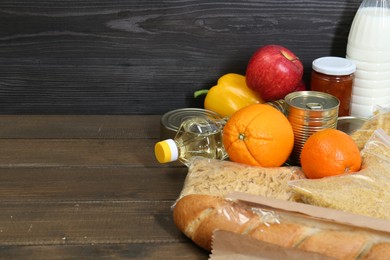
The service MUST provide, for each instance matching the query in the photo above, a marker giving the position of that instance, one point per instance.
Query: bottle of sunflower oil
(196, 136)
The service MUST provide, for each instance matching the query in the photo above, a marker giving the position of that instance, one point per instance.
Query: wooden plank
(79, 126)
(148, 57)
(87, 187)
(87, 222)
(85, 184)
(107, 251)
(77, 152)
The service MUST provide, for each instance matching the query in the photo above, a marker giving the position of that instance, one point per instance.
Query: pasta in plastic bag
(219, 178)
(381, 120)
(366, 192)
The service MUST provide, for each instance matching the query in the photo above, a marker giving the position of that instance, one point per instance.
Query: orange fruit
(260, 135)
(329, 152)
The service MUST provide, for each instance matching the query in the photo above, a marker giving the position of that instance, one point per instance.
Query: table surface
(87, 187)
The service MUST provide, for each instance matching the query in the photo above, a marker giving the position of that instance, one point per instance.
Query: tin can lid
(171, 121)
(335, 66)
(312, 100)
(349, 124)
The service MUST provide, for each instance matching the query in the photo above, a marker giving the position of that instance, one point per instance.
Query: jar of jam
(334, 75)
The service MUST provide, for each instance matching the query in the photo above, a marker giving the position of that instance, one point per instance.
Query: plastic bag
(198, 216)
(219, 178)
(381, 120)
(366, 192)
(376, 152)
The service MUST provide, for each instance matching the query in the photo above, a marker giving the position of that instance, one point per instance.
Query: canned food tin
(349, 124)
(279, 105)
(309, 112)
(171, 121)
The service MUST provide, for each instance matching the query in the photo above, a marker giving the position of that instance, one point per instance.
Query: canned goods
(171, 121)
(349, 124)
(279, 105)
(309, 112)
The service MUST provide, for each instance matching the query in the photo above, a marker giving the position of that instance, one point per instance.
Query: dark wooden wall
(148, 56)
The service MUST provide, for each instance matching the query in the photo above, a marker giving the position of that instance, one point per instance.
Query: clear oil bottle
(196, 136)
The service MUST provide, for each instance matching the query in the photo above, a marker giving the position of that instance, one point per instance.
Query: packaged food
(308, 113)
(219, 178)
(381, 119)
(196, 136)
(334, 75)
(199, 216)
(368, 48)
(365, 192)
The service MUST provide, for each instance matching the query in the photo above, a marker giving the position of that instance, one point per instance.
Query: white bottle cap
(166, 151)
(334, 66)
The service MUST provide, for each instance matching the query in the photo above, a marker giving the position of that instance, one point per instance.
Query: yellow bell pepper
(229, 95)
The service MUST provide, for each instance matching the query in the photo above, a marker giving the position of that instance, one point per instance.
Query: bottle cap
(166, 151)
(334, 66)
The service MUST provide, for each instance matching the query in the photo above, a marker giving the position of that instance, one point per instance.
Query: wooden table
(87, 187)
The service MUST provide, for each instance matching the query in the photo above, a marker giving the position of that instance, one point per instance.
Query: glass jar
(334, 75)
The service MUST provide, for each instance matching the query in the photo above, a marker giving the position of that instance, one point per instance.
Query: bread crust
(198, 216)
(337, 244)
(190, 211)
(378, 251)
(282, 234)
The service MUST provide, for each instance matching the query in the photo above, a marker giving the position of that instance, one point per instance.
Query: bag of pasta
(219, 178)
(380, 120)
(365, 192)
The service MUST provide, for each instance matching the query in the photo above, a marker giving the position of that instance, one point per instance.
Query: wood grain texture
(73, 153)
(106, 251)
(87, 184)
(148, 57)
(86, 222)
(79, 127)
(87, 187)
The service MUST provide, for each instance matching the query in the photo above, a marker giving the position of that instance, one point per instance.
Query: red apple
(301, 86)
(273, 71)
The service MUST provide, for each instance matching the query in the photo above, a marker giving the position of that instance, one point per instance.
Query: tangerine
(258, 135)
(329, 152)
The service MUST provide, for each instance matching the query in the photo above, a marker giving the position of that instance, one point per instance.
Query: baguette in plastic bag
(366, 192)
(198, 216)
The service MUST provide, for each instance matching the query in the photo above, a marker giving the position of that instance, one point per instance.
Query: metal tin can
(309, 112)
(171, 121)
(349, 124)
(280, 105)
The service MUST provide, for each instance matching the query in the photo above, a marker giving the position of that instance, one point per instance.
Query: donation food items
(348, 173)
(365, 192)
(380, 120)
(258, 134)
(201, 208)
(274, 71)
(329, 152)
(229, 95)
(219, 178)
(198, 216)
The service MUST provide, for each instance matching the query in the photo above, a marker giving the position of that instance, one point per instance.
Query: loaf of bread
(198, 216)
